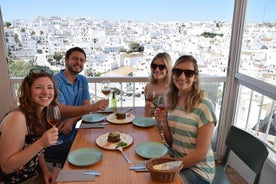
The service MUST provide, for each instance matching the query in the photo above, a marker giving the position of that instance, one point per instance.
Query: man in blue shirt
(74, 101)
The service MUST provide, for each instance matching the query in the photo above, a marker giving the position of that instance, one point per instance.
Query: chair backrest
(248, 148)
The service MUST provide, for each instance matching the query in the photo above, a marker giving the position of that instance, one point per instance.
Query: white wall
(6, 92)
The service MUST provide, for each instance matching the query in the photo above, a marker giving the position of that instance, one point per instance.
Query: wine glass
(106, 89)
(150, 96)
(53, 118)
(162, 103)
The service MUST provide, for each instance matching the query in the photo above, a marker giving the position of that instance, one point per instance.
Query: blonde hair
(196, 94)
(166, 58)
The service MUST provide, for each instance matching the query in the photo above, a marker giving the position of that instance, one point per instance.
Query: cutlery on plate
(120, 148)
(92, 173)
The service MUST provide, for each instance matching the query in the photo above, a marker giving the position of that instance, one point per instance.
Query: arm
(73, 111)
(203, 142)
(162, 119)
(12, 154)
(49, 175)
(67, 125)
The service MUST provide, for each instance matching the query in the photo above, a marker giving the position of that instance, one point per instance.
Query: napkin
(168, 165)
(74, 175)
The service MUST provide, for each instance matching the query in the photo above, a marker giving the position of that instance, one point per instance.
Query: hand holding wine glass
(149, 106)
(162, 104)
(53, 118)
(162, 108)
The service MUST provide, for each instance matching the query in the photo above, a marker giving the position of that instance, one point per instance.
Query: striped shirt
(184, 127)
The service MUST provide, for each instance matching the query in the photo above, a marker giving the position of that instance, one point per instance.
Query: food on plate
(121, 144)
(120, 115)
(113, 137)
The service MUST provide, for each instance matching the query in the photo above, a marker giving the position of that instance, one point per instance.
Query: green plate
(93, 117)
(151, 150)
(85, 156)
(144, 122)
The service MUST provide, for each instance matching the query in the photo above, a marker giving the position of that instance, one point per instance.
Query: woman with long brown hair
(25, 132)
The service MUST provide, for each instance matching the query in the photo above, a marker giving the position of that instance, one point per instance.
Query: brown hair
(196, 94)
(36, 121)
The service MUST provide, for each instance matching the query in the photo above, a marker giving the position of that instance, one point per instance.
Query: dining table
(113, 167)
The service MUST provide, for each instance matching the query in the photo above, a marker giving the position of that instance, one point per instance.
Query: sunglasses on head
(36, 71)
(154, 66)
(178, 72)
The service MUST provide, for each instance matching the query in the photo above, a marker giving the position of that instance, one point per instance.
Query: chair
(248, 148)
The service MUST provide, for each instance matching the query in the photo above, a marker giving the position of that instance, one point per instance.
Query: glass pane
(258, 54)
(40, 33)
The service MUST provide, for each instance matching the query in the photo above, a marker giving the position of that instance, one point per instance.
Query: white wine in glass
(53, 118)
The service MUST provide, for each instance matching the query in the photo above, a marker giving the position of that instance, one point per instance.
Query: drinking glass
(53, 118)
(162, 103)
(150, 97)
(106, 89)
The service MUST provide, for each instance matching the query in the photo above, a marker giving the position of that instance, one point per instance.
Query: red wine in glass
(162, 107)
(106, 92)
(106, 88)
(162, 102)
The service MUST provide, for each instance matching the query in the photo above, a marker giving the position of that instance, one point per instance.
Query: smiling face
(42, 91)
(182, 82)
(158, 73)
(75, 62)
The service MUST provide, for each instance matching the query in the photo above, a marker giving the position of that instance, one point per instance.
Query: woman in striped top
(189, 122)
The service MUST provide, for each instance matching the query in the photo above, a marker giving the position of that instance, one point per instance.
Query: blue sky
(143, 10)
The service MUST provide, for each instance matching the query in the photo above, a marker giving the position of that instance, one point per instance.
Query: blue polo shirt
(71, 94)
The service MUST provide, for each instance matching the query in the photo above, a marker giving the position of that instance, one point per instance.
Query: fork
(120, 148)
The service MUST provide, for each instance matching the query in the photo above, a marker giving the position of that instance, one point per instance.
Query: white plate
(112, 118)
(101, 141)
(93, 117)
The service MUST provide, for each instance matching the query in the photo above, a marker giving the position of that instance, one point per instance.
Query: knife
(92, 173)
(127, 110)
(137, 167)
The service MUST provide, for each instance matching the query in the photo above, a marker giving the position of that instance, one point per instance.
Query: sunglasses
(188, 73)
(154, 66)
(36, 71)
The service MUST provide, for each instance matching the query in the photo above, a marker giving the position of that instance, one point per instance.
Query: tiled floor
(234, 177)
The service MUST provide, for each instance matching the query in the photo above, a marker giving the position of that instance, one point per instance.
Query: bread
(113, 137)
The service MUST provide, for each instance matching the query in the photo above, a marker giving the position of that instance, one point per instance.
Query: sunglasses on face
(178, 72)
(36, 71)
(154, 66)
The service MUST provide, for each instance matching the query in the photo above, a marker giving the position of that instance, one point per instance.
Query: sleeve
(86, 95)
(208, 114)
(60, 86)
